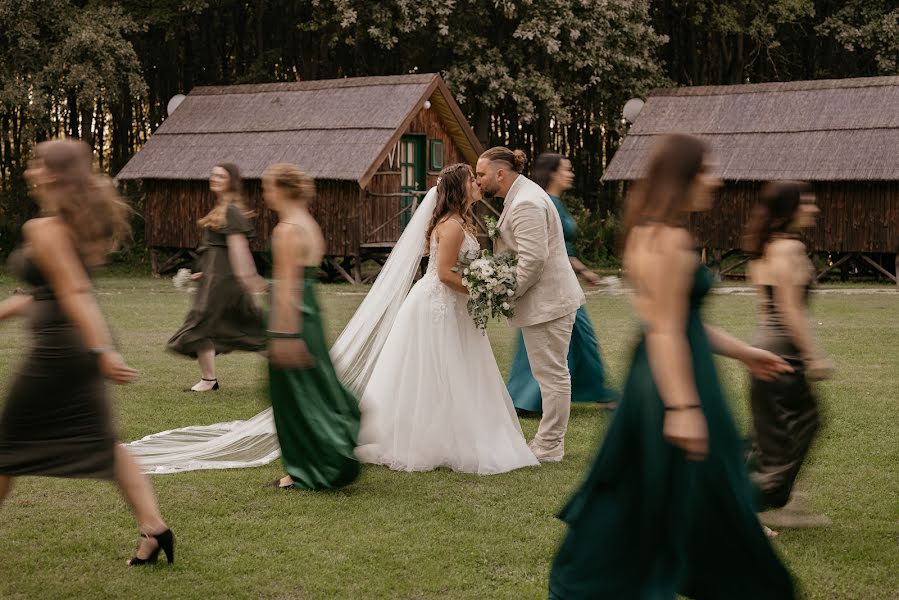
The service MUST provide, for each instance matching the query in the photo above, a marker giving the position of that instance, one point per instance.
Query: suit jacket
(530, 226)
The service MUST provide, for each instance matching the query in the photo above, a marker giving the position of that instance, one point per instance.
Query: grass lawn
(427, 535)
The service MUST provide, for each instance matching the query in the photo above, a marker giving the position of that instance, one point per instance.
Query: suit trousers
(547, 347)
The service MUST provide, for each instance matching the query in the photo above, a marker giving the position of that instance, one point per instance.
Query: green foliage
(868, 27)
(597, 232)
(533, 74)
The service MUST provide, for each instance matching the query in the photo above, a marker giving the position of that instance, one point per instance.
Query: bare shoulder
(450, 229)
(285, 235)
(785, 248)
(45, 230)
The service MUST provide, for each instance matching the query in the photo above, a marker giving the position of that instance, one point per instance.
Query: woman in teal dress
(667, 507)
(316, 417)
(553, 173)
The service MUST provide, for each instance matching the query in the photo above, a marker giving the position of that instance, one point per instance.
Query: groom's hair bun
(517, 159)
(520, 160)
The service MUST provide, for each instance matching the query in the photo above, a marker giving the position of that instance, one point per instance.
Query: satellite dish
(174, 103)
(631, 109)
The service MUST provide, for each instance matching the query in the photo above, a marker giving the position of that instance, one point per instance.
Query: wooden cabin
(841, 136)
(374, 145)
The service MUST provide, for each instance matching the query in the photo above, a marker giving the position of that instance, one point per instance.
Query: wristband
(285, 335)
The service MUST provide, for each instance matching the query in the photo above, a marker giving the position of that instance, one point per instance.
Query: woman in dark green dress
(56, 419)
(223, 317)
(667, 506)
(553, 173)
(316, 417)
(785, 411)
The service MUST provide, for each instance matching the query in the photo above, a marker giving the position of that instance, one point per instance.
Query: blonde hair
(85, 200)
(295, 184)
(218, 216)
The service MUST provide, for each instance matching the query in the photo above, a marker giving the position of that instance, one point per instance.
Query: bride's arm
(450, 236)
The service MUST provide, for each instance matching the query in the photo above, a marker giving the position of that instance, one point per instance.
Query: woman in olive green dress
(316, 417)
(785, 411)
(667, 506)
(224, 317)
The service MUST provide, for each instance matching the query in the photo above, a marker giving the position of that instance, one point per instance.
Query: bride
(436, 397)
(460, 414)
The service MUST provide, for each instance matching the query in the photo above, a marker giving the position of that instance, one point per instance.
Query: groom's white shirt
(531, 227)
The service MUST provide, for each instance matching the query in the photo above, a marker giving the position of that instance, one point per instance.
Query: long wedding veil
(250, 443)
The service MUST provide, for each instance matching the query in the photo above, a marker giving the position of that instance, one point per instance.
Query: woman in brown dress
(785, 411)
(56, 419)
(223, 317)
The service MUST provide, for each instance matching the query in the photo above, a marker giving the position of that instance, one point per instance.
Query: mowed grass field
(427, 535)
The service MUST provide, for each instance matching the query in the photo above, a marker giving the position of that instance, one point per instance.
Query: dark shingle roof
(830, 130)
(332, 129)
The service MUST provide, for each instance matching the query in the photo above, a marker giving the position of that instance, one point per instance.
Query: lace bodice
(467, 253)
(441, 297)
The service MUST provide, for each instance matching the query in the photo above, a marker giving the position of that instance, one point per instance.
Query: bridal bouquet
(183, 281)
(491, 283)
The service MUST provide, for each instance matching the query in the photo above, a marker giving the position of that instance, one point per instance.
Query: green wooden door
(412, 171)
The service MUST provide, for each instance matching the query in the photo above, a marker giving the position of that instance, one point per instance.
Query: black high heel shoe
(165, 541)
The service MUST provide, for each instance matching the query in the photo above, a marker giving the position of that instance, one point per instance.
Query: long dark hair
(773, 213)
(662, 195)
(85, 200)
(451, 195)
(545, 167)
(215, 218)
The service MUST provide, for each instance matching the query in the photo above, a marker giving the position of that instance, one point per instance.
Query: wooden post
(897, 270)
(357, 269)
(716, 264)
(154, 262)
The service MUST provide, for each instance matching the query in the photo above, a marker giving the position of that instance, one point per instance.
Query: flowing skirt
(436, 397)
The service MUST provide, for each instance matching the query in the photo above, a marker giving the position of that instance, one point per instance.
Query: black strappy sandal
(165, 541)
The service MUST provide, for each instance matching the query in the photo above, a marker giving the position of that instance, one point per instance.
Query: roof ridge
(768, 131)
(231, 131)
(779, 86)
(313, 84)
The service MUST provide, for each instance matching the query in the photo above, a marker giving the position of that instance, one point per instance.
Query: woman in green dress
(553, 173)
(316, 417)
(223, 317)
(667, 507)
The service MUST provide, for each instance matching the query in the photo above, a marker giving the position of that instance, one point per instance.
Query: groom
(548, 293)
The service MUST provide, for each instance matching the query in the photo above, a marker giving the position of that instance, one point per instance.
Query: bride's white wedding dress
(436, 397)
(477, 432)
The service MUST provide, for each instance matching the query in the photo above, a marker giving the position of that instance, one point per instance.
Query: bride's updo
(452, 195)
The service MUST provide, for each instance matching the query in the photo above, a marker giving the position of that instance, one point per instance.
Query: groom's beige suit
(546, 300)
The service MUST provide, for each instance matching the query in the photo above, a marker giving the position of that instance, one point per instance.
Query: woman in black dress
(56, 419)
(785, 412)
(223, 317)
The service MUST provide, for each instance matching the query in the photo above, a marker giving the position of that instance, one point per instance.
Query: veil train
(253, 442)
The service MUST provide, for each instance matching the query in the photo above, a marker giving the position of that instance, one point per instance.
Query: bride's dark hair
(451, 196)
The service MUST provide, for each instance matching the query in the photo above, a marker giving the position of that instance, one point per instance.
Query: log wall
(855, 217)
